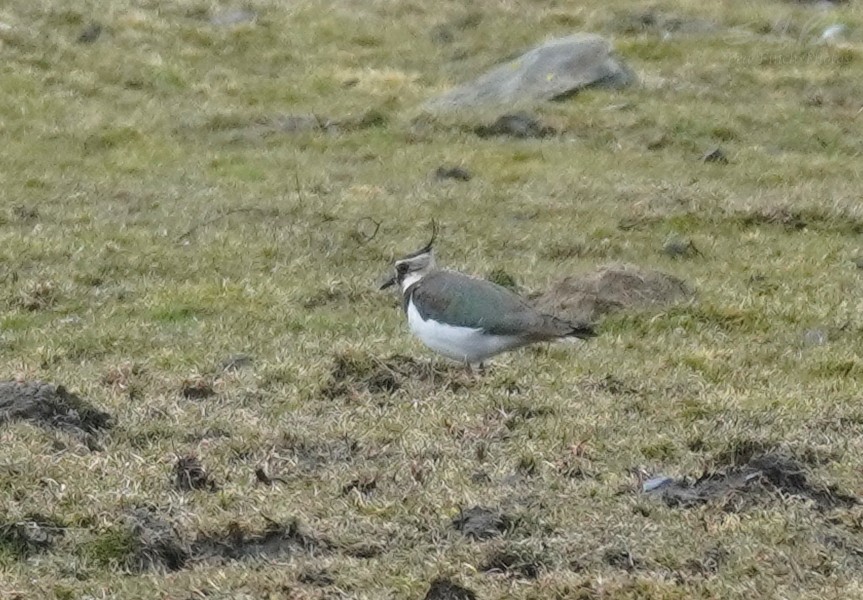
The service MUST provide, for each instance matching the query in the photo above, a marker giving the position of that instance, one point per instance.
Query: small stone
(680, 248)
(235, 362)
(815, 337)
(457, 173)
(715, 155)
(298, 123)
(236, 16)
(518, 125)
(656, 483)
(658, 141)
(441, 34)
(90, 33)
(833, 33)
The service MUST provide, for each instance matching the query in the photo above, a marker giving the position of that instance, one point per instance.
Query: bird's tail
(563, 328)
(582, 331)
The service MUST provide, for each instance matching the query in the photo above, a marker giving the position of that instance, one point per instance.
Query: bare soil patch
(151, 542)
(353, 374)
(189, 474)
(514, 561)
(276, 539)
(307, 455)
(762, 478)
(52, 406)
(446, 589)
(621, 558)
(480, 523)
(33, 534)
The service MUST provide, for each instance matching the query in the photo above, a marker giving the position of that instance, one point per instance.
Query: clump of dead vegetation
(355, 373)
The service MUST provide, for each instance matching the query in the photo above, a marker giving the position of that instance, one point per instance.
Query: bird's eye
(402, 268)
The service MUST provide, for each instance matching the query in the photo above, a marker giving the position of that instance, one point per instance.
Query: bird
(467, 319)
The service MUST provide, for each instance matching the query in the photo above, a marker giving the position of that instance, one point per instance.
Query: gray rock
(552, 71)
(90, 33)
(441, 34)
(235, 362)
(236, 16)
(715, 155)
(677, 247)
(481, 523)
(297, 123)
(657, 22)
(456, 173)
(518, 125)
(815, 337)
(655, 483)
(834, 33)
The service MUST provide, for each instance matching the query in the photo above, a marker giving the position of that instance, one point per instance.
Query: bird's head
(413, 267)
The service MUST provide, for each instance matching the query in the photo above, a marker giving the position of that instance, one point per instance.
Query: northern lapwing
(469, 319)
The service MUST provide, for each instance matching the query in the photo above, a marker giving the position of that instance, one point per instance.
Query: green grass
(155, 219)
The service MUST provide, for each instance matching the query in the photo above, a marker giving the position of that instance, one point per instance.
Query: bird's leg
(475, 370)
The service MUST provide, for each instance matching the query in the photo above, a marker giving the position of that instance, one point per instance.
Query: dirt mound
(317, 577)
(621, 558)
(609, 289)
(154, 543)
(307, 454)
(481, 523)
(739, 487)
(50, 406)
(275, 540)
(151, 542)
(33, 534)
(514, 561)
(189, 474)
(356, 373)
(444, 589)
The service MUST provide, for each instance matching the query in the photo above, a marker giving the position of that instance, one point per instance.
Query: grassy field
(157, 218)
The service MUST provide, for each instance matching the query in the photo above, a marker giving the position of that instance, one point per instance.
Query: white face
(410, 279)
(411, 270)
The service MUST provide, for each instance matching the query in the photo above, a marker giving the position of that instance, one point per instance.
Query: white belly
(463, 344)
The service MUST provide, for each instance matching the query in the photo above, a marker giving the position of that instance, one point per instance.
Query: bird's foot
(475, 369)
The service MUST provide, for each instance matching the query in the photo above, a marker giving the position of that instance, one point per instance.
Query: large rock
(551, 71)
